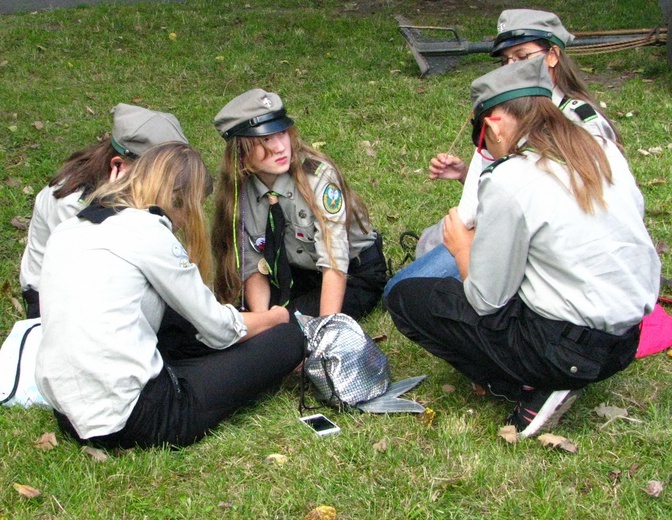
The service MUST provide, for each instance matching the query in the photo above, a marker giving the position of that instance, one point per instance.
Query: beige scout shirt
(304, 240)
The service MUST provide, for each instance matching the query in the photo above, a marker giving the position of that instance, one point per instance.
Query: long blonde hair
(227, 229)
(545, 130)
(172, 176)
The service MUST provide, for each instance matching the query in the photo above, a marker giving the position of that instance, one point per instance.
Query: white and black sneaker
(540, 410)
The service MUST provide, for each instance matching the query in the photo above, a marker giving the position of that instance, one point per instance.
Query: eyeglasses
(481, 138)
(505, 60)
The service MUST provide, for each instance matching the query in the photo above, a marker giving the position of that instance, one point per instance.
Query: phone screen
(320, 423)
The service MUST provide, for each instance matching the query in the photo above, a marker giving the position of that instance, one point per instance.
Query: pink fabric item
(656, 333)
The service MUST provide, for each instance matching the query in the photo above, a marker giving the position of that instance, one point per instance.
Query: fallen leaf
(27, 491)
(603, 104)
(172, 36)
(588, 70)
(380, 338)
(478, 389)
(427, 417)
(381, 445)
(225, 505)
(557, 441)
(321, 513)
(20, 222)
(610, 412)
(90, 110)
(633, 469)
(615, 475)
(39, 125)
(276, 458)
(641, 150)
(42, 48)
(421, 90)
(368, 148)
(28, 190)
(47, 441)
(12, 128)
(4, 63)
(95, 453)
(318, 144)
(654, 488)
(658, 180)
(449, 389)
(12, 182)
(662, 247)
(508, 433)
(16, 304)
(655, 150)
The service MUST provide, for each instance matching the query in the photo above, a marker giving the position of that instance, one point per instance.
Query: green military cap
(520, 79)
(137, 129)
(516, 26)
(253, 114)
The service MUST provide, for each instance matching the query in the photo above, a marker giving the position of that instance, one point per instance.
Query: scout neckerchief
(275, 253)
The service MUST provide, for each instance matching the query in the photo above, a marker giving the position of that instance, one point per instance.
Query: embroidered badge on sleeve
(332, 199)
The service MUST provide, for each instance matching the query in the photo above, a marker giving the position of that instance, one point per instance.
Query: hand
(456, 236)
(445, 166)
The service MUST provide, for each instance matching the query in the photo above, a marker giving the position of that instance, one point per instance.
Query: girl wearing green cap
(522, 34)
(288, 229)
(559, 270)
(100, 365)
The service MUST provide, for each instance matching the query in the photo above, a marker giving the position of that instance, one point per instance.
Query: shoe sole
(555, 406)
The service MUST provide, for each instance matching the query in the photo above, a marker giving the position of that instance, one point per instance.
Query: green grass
(346, 76)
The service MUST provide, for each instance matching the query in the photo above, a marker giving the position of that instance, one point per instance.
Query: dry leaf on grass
(449, 389)
(556, 441)
(368, 148)
(276, 458)
(654, 488)
(27, 491)
(381, 445)
(427, 417)
(610, 412)
(321, 513)
(46, 442)
(508, 433)
(20, 222)
(96, 454)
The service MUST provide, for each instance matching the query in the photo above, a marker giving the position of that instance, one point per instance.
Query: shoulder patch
(332, 199)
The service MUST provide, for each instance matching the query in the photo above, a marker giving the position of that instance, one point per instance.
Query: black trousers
(367, 276)
(508, 349)
(192, 395)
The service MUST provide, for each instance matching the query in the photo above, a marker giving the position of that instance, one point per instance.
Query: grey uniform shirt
(304, 240)
(103, 294)
(599, 270)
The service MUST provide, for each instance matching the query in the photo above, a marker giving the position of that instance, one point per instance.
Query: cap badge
(266, 102)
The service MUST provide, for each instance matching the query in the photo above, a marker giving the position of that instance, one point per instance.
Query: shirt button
(573, 370)
(289, 194)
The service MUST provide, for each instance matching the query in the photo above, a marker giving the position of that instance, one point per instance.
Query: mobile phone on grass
(320, 425)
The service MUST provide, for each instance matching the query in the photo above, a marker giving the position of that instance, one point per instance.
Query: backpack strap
(12, 393)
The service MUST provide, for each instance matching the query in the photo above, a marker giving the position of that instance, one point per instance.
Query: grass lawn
(351, 84)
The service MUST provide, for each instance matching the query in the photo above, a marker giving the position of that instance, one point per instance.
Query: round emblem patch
(332, 198)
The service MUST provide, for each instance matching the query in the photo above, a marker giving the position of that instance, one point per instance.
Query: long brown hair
(86, 169)
(172, 176)
(567, 79)
(227, 229)
(545, 130)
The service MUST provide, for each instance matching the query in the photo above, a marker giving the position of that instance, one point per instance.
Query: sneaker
(541, 410)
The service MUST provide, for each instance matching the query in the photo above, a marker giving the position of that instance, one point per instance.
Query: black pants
(508, 349)
(192, 395)
(367, 276)
(31, 301)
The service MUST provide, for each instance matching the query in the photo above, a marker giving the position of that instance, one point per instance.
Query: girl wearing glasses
(522, 34)
(558, 272)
